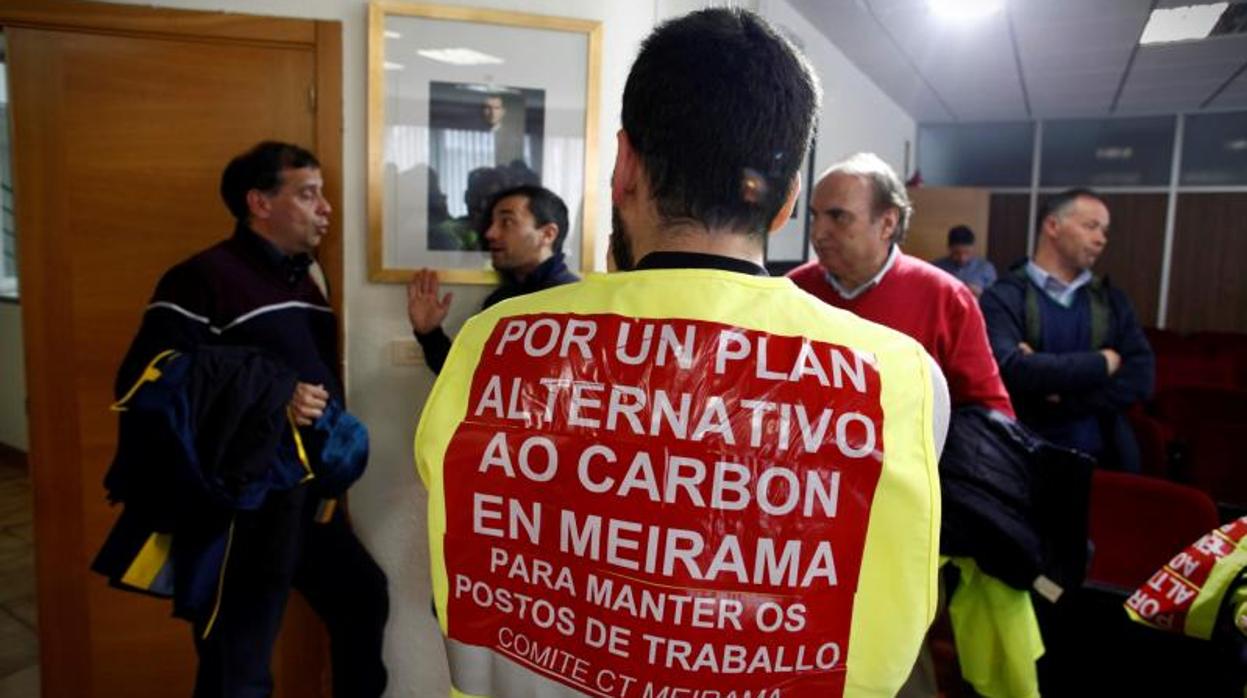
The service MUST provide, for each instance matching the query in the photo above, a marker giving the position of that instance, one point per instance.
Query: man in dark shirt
(254, 290)
(1070, 348)
(524, 235)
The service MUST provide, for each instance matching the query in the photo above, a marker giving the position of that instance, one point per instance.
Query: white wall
(388, 505)
(13, 378)
(856, 115)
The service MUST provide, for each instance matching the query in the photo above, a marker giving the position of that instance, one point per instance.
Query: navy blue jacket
(241, 292)
(204, 435)
(1049, 389)
(1014, 502)
(218, 434)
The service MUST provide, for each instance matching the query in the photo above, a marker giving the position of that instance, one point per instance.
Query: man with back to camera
(861, 213)
(627, 435)
(969, 268)
(524, 234)
(1069, 346)
(254, 290)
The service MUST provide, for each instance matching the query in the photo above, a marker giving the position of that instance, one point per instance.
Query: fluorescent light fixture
(1114, 153)
(964, 10)
(1182, 23)
(391, 65)
(459, 56)
(391, 34)
(1236, 144)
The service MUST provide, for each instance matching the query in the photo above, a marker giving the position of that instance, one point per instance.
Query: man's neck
(1047, 260)
(263, 232)
(699, 239)
(521, 274)
(856, 278)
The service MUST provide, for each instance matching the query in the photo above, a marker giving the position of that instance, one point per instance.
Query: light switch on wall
(406, 352)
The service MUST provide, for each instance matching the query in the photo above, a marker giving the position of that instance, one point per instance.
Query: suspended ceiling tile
(1074, 54)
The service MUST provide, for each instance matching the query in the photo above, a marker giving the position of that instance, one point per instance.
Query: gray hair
(1058, 205)
(889, 190)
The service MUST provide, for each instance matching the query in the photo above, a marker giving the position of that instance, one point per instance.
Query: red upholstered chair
(1165, 342)
(1229, 347)
(1186, 406)
(1211, 359)
(1154, 438)
(1195, 368)
(1138, 523)
(1216, 462)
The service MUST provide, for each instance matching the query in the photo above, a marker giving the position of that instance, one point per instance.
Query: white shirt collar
(1056, 289)
(850, 294)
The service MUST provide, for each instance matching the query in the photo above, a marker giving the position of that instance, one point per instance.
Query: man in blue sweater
(1069, 346)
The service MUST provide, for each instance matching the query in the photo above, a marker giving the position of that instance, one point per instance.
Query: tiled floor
(19, 644)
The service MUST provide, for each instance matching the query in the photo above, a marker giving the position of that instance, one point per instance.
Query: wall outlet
(406, 352)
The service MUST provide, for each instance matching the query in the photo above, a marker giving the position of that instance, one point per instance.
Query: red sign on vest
(662, 508)
(1168, 596)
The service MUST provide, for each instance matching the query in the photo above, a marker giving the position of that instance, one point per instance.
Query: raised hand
(424, 310)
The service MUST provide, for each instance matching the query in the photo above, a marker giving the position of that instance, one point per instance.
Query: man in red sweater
(860, 213)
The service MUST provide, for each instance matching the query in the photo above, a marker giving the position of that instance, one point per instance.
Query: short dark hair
(720, 109)
(1057, 204)
(960, 235)
(545, 205)
(260, 168)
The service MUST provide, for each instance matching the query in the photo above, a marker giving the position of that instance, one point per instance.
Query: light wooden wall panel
(936, 209)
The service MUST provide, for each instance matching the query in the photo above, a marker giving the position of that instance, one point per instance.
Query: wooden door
(123, 119)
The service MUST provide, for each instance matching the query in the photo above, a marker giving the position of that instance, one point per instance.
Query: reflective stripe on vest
(680, 479)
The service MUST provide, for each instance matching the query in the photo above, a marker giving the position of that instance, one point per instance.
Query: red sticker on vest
(654, 508)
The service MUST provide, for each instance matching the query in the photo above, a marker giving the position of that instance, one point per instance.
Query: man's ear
(785, 211)
(627, 168)
(258, 204)
(1049, 227)
(549, 233)
(891, 219)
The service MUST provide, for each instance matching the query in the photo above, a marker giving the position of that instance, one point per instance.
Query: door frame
(61, 575)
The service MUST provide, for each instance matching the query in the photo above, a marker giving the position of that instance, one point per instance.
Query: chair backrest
(1215, 461)
(1210, 359)
(1153, 437)
(1165, 342)
(1201, 370)
(1229, 345)
(1138, 523)
(1185, 407)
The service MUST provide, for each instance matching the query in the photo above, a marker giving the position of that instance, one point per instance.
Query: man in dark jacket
(524, 235)
(254, 290)
(1069, 346)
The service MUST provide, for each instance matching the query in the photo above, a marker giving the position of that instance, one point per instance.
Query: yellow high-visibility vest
(680, 483)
